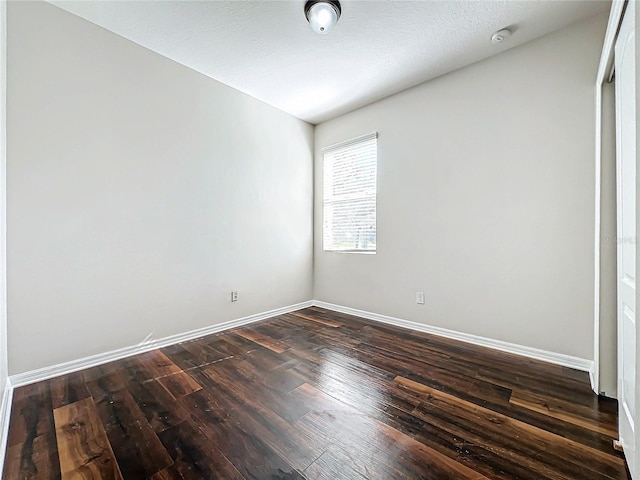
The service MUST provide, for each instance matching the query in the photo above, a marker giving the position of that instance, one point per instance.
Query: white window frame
(362, 148)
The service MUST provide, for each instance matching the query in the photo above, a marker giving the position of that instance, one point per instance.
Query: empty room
(319, 239)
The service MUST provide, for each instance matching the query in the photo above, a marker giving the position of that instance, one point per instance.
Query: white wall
(140, 193)
(636, 414)
(607, 325)
(485, 198)
(3, 143)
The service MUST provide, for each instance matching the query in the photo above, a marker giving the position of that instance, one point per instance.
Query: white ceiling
(267, 49)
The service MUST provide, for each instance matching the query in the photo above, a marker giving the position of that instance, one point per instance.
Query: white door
(626, 178)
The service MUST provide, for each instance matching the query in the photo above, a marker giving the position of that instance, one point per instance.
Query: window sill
(360, 252)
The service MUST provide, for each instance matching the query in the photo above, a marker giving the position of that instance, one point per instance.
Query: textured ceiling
(267, 49)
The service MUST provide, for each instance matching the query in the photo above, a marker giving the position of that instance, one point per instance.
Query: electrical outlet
(420, 298)
(234, 296)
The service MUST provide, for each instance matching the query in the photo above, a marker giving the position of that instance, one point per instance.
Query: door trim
(604, 74)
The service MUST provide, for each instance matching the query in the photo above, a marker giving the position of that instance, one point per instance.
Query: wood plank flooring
(320, 395)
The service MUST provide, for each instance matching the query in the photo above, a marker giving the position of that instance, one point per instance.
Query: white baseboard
(5, 414)
(529, 352)
(592, 378)
(45, 373)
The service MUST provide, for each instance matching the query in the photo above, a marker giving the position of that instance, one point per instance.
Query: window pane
(350, 196)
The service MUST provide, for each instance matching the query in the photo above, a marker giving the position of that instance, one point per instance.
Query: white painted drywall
(376, 49)
(3, 144)
(637, 379)
(485, 198)
(607, 326)
(140, 194)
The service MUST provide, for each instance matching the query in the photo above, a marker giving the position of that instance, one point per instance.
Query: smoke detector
(500, 35)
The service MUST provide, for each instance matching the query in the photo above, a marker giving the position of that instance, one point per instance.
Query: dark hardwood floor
(320, 395)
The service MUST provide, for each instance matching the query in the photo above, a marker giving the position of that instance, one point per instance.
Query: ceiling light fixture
(322, 15)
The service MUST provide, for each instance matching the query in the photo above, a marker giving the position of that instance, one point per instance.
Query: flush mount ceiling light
(322, 14)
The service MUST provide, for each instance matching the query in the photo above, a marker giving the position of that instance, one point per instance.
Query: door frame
(604, 75)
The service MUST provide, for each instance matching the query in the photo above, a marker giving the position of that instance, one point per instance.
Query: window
(349, 204)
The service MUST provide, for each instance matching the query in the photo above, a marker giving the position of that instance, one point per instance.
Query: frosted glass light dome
(322, 15)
